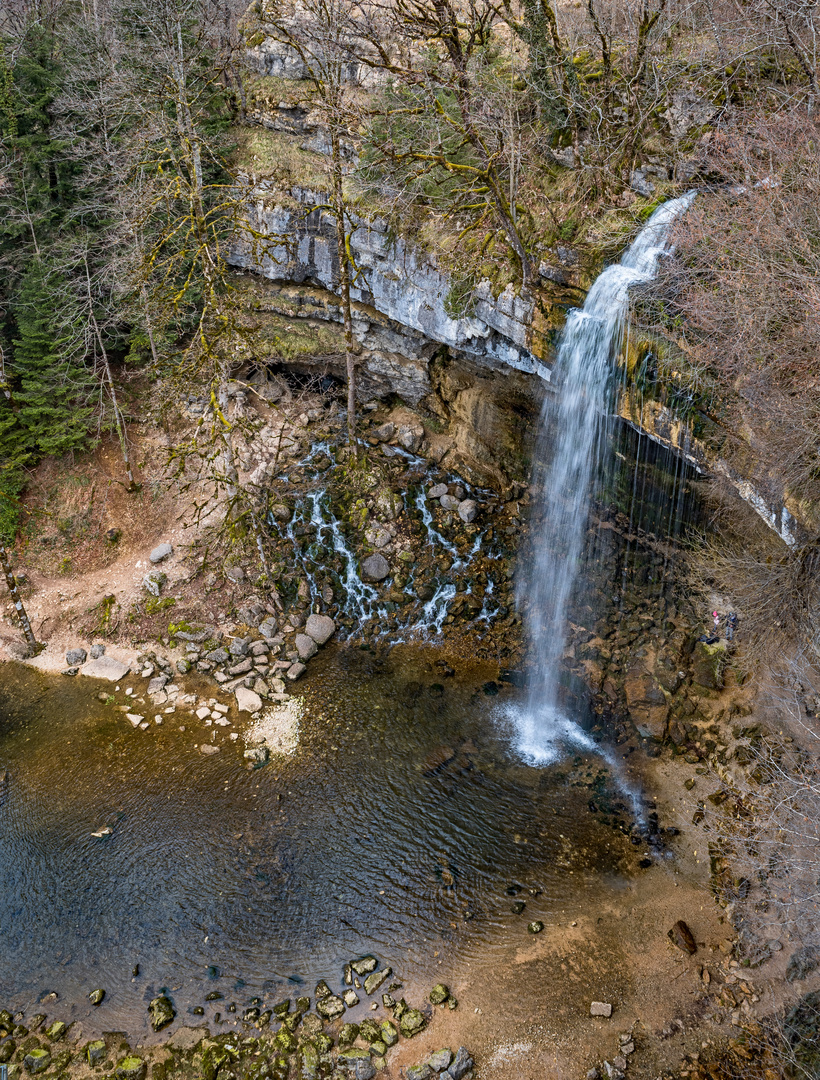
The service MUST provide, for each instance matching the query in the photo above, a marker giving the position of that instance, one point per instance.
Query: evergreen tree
(52, 392)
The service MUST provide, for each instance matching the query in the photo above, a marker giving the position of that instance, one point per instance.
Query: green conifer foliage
(52, 393)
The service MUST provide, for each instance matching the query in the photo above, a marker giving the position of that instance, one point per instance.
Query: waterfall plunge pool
(404, 825)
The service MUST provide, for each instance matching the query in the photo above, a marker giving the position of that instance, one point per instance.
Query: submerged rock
(161, 1011)
(96, 997)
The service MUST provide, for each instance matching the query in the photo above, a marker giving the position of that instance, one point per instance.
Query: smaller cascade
(571, 445)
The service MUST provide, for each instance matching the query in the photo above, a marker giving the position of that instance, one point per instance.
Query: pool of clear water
(404, 825)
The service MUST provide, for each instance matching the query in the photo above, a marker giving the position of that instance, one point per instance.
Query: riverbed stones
(365, 965)
(375, 567)
(440, 1060)
(130, 1068)
(247, 700)
(160, 552)
(97, 651)
(105, 667)
(600, 1008)
(95, 1051)
(351, 998)
(96, 997)
(388, 1033)
(305, 646)
(436, 491)
(161, 1011)
(449, 502)
(208, 749)
(330, 1007)
(412, 1022)
(296, 670)
(320, 627)
(76, 657)
(535, 927)
(7, 1049)
(461, 1064)
(419, 1072)
(385, 432)
(438, 995)
(374, 981)
(37, 1061)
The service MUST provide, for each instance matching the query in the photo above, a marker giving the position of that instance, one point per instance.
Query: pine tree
(52, 392)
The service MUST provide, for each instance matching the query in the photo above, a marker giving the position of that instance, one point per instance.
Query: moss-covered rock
(37, 1060)
(95, 1051)
(162, 1012)
(708, 663)
(411, 1023)
(130, 1068)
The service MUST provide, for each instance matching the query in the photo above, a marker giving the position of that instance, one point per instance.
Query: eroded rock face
(647, 701)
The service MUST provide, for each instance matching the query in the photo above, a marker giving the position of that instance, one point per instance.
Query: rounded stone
(96, 997)
(162, 551)
(375, 567)
(467, 510)
(320, 627)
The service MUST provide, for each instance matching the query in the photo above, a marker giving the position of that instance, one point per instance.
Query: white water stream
(570, 444)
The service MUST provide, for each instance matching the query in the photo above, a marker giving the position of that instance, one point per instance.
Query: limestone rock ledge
(395, 278)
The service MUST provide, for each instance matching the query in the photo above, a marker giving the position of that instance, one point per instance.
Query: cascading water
(571, 442)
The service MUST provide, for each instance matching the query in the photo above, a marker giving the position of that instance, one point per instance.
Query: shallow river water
(404, 825)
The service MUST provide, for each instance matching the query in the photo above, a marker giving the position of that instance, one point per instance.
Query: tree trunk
(31, 640)
(351, 348)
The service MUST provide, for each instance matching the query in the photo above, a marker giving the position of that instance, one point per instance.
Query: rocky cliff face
(400, 282)
(484, 375)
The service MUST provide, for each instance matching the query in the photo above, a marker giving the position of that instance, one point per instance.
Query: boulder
(648, 703)
(374, 981)
(440, 1060)
(708, 662)
(461, 1065)
(106, 667)
(385, 432)
(162, 551)
(419, 1072)
(320, 627)
(75, 657)
(449, 502)
(375, 568)
(411, 1023)
(130, 1068)
(467, 510)
(305, 646)
(388, 1033)
(410, 437)
(37, 1061)
(387, 505)
(95, 1051)
(247, 700)
(365, 965)
(281, 512)
(96, 997)
(295, 671)
(330, 1007)
(436, 491)
(161, 1012)
(155, 582)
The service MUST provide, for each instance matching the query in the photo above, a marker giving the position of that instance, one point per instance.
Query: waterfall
(571, 442)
